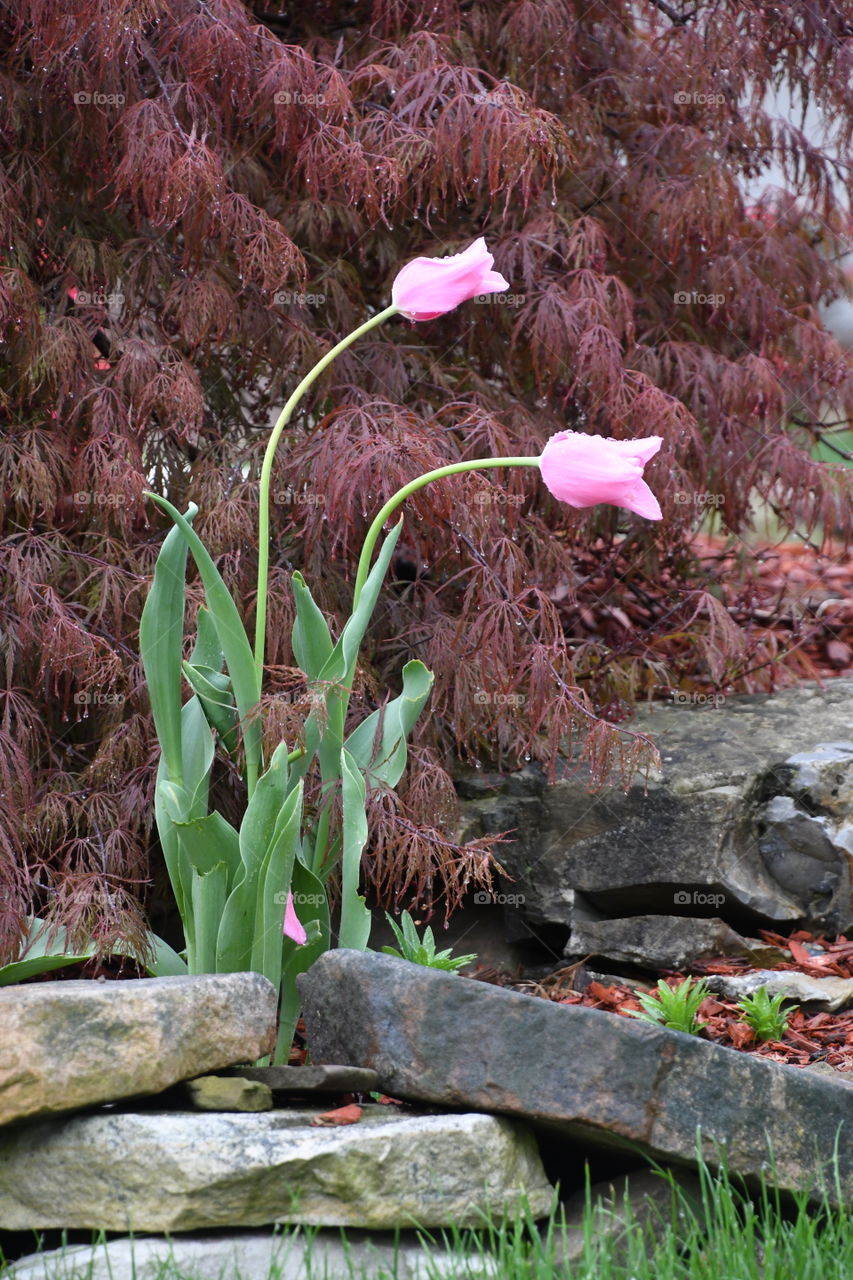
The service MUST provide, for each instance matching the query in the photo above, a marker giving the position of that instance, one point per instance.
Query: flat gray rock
(749, 818)
(224, 1093)
(333, 1078)
(656, 942)
(67, 1045)
(829, 994)
(251, 1255)
(601, 1079)
(168, 1171)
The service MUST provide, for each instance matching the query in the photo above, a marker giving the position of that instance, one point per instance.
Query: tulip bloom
(584, 470)
(292, 928)
(429, 287)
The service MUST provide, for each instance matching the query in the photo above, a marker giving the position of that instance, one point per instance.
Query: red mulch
(819, 1037)
(802, 595)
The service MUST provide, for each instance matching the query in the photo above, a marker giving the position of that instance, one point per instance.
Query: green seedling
(422, 950)
(764, 1015)
(674, 1007)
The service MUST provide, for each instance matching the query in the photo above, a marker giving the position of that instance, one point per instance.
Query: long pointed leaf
(232, 638)
(313, 911)
(170, 797)
(342, 658)
(311, 638)
(197, 747)
(209, 893)
(166, 963)
(45, 948)
(326, 733)
(161, 635)
(213, 690)
(257, 832)
(355, 917)
(207, 651)
(385, 762)
(208, 841)
(273, 883)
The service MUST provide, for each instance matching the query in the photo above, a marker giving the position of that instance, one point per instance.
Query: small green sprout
(422, 951)
(675, 1007)
(764, 1015)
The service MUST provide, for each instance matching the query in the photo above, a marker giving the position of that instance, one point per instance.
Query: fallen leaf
(799, 953)
(341, 1115)
(740, 1034)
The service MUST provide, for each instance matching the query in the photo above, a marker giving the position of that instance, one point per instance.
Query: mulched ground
(811, 1037)
(802, 596)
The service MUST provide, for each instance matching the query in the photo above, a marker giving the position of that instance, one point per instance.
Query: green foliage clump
(422, 950)
(764, 1015)
(674, 1007)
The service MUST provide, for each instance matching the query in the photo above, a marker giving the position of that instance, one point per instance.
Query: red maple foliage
(199, 196)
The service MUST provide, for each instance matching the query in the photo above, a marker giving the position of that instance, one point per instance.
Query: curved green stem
(452, 469)
(266, 476)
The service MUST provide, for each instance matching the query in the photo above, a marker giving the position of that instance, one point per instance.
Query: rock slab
(251, 1255)
(750, 819)
(182, 1171)
(829, 994)
(67, 1045)
(224, 1093)
(656, 942)
(599, 1078)
(331, 1078)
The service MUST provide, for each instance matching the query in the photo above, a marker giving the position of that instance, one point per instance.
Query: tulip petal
(430, 287)
(644, 503)
(292, 927)
(585, 470)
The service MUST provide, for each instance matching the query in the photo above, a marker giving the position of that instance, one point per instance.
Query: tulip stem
(266, 476)
(452, 469)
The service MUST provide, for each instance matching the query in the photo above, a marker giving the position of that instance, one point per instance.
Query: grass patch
(730, 1235)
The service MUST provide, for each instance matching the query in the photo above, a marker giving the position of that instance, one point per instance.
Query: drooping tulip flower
(292, 928)
(429, 287)
(584, 470)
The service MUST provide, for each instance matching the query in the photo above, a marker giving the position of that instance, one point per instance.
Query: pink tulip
(292, 928)
(429, 287)
(583, 470)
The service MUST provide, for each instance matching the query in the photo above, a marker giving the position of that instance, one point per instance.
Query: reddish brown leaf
(340, 1115)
